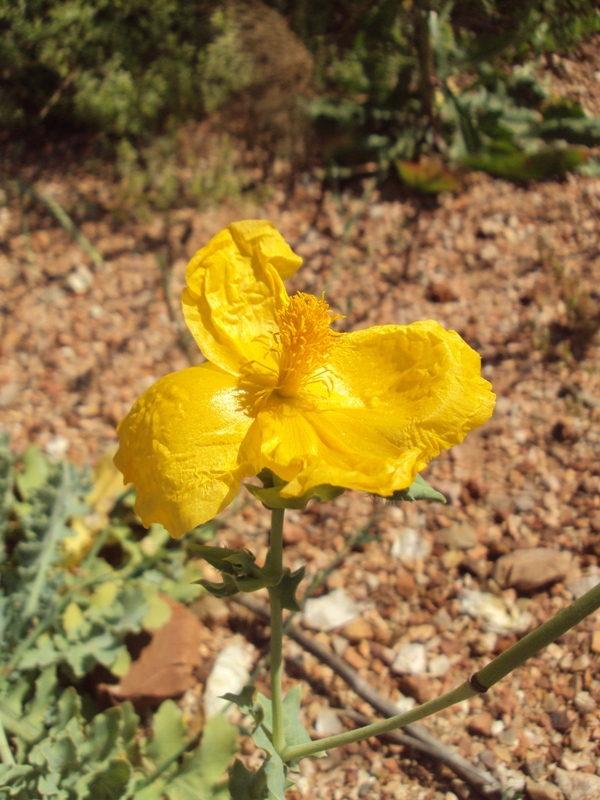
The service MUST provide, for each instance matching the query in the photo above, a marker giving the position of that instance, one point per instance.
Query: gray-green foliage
(58, 624)
(124, 68)
(390, 85)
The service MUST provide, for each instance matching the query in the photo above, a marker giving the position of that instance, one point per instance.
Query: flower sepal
(270, 493)
(418, 490)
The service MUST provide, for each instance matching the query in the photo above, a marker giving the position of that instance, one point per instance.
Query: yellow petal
(180, 447)
(421, 374)
(399, 396)
(309, 447)
(234, 290)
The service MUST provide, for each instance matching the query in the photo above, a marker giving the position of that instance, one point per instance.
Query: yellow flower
(365, 410)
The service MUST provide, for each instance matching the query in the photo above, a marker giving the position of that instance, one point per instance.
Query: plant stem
(457, 695)
(276, 566)
(478, 683)
(538, 639)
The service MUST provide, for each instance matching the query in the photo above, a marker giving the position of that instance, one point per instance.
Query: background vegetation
(381, 82)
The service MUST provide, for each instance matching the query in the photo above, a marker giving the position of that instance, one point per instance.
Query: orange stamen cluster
(296, 354)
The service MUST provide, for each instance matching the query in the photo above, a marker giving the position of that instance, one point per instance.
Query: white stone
(80, 280)
(328, 723)
(439, 665)
(408, 545)
(331, 611)
(411, 659)
(496, 613)
(57, 447)
(230, 673)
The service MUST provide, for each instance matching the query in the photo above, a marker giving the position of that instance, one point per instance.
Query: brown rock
(358, 630)
(480, 724)
(532, 568)
(460, 536)
(544, 790)
(418, 687)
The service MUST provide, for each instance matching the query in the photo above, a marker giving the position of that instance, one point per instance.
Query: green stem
(538, 639)
(276, 567)
(478, 683)
(457, 695)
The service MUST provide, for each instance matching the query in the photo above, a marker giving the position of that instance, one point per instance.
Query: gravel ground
(438, 589)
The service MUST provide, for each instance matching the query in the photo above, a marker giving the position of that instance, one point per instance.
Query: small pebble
(330, 612)
(411, 659)
(408, 545)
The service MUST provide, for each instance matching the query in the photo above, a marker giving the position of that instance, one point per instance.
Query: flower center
(296, 354)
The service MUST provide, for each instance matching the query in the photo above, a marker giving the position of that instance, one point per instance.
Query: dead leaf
(167, 666)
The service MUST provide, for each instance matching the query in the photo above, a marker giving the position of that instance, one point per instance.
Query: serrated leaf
(418, 490)
(42, 655)
(168, 733)
(201, 771)
(271, 497)
(108, 782)
(228, 588)
(42, 701)
(60, 754)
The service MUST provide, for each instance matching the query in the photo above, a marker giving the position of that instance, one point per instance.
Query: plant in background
(311, 412)
(59, 624)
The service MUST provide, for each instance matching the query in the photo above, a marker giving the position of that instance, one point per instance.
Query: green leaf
(545, 163)
(427, 178)
(271, 497)
(275, 772)
(224, 559)
(36, 469)
(201, 771)
(245, 784)
(418, 490)
(572, 130)
(60, 754)
(295, 732)
(108, 782)
(244, 700)
(158, 614)
(168, 733)
(288, 587)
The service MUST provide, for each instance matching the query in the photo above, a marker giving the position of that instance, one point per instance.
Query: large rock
(532, 568)
(578, 785)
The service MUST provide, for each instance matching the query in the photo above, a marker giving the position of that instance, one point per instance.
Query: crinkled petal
(309, 447)
(399, 396)
(234, 289)
(180, 447)
(420, 373)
